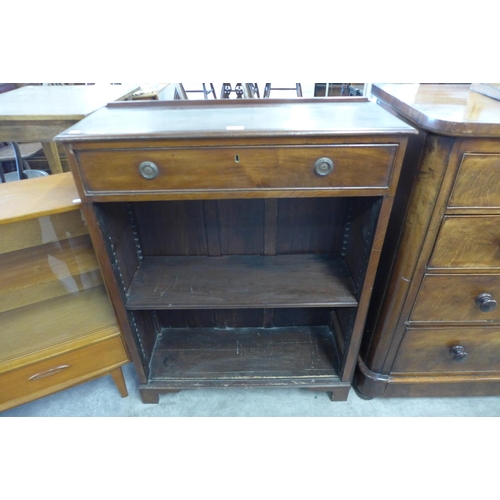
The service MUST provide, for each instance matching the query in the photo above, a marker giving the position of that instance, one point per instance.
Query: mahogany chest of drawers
(239, 239)
(434, 325)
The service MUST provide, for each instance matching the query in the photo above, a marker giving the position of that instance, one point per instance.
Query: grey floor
(100, 398)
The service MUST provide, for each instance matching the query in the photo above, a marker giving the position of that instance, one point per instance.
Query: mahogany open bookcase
(239, 239)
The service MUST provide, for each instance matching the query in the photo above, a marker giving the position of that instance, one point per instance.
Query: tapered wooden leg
(52, 155)
(117, 375)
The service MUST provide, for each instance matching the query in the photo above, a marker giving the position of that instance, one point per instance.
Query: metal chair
(181, 92)
(268, 88)
(19, 153)
(337, 89)
(242, 90)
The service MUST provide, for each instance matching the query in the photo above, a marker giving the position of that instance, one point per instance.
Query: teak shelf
(239, 240)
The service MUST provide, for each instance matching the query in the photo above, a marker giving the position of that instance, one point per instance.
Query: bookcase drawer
(237, 168)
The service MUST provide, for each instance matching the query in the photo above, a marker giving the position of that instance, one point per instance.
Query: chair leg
(344, 89)
(180, 91)
(2, 174)
(225, 91)
(18, 159)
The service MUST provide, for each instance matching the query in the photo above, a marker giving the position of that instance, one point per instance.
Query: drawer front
(477, 182)
(468, 242)
(453, 298)
(58, 372)
(355, 166)
(425, 350)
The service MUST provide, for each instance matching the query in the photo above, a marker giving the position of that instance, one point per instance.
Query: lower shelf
(248, 357)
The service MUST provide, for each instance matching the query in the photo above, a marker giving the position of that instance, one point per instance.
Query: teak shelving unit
(58, 328)
(239, 240)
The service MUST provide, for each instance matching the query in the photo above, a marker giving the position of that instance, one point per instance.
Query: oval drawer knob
(459, 353)
(323, 166)
(148, 170)
(486, 302)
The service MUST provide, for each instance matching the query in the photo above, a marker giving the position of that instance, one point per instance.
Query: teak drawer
(477, 182)
(452, 298)
(61, 371)
(471, 242)
(426, 350)
(227, 168)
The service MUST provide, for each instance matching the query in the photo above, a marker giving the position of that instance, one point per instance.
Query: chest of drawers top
(451, 110)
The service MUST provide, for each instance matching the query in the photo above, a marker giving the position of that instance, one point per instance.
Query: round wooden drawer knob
(323, 166)
(148, 170)
(486, 302)
(459, 353)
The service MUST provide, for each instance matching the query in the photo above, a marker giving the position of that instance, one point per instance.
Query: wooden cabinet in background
(434, 326)
(239, 239)
(58, 328)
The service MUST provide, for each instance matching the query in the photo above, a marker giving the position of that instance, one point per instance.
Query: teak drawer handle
(323, 166)
(459, 353)
(148, 170)
(49, 372)
(486, 302)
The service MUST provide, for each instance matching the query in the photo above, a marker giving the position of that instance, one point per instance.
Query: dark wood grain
(311, 225)
(241, 225)
(477, 182)
(250, 353)
(452, 298)
(243, 168)
(408, 264)
(179, 228)
(241, 281)
(427, 350)
(468, 243)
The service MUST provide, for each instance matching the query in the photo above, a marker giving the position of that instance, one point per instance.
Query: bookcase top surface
(236, 118)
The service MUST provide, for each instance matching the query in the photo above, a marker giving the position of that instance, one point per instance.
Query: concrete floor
(100, 398)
